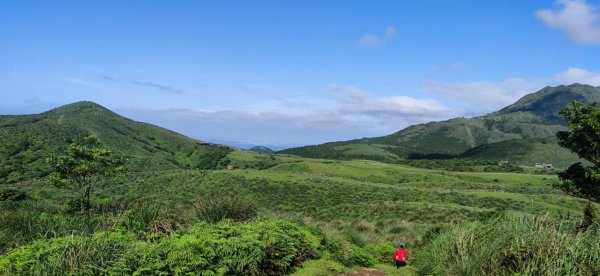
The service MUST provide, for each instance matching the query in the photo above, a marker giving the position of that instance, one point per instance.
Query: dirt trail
(384, 270)
(363, 271)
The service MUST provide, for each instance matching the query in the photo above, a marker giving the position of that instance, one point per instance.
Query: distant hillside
(534, 116)
(261, 149)
(26, 140)
(524, 151)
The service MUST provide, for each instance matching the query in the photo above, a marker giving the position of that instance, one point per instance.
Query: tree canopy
(582, 138)
(86, 162)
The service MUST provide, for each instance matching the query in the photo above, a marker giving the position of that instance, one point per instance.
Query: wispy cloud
(151, 84)
(158, 86)
(376, 41)
(576, 18)
(109, 78)
(369, 41)
(390, 32)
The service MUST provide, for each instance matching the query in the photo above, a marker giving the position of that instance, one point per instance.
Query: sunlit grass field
(371, 206)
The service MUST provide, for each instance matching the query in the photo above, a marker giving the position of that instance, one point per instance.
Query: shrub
(271, 247)
(381, 251)
(362, 258)
(509, 245)
(12, 195)
(235, 208)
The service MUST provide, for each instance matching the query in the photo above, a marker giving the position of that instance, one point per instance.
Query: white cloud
(355, 101)
(483, 96)
(376, 41)
(348, 113)
(579, 75)
(369, 41)
(390, 32)
(577, 18)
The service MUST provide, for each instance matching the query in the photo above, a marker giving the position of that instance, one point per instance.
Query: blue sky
(292, 72)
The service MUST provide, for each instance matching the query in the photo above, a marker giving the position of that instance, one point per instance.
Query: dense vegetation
(278, 214)
(271, 247)
(508, 245)
(261, 149)
(464, 165)
(28, 139)
(583, 138)
(522, 132)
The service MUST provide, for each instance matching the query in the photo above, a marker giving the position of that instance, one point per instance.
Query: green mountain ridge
(261, 149)
(28, 139)
(534, 116)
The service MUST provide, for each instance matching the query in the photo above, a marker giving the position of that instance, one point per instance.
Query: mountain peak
(78, 107)
(549, 100)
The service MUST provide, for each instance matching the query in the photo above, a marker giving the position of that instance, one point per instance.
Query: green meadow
(301, 216)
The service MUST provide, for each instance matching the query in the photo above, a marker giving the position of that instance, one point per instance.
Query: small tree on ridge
(86, 162)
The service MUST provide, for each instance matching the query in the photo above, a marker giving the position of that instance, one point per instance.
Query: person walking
(400, 256)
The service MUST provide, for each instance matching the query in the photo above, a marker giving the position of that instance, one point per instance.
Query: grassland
(367, 207)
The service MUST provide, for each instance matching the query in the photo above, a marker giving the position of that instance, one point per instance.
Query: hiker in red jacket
(400, 256)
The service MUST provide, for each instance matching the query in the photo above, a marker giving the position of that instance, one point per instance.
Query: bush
(235, 208)
(272, 247)
(512, 245)
(12, 195)
(362, 258)
(382, 251)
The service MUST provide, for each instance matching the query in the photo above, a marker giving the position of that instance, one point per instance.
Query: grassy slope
(535, 116)
(370, 205)
(28, 139)
(525, 151)
(365, 202)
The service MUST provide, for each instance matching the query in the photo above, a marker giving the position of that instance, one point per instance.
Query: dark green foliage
(86, 163)
(583, 138)
(261, 248)
(361, 257)
(261, 149)
(382, 252)
(214, 209)
(26, 140)
(526, 152)
(12, 195)
(589, 216)
(581, 181)
(463, 165)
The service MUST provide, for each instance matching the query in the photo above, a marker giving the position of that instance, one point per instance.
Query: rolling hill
(306, 216)
(26, 140)
(492, 136)
(261, 149)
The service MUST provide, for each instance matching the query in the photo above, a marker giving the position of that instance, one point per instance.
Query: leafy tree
(582, 138)
(589, 216)
(86, 162)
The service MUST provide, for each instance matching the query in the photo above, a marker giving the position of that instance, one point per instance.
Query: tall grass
(513, 244)
(271, 247)
(233, 207)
